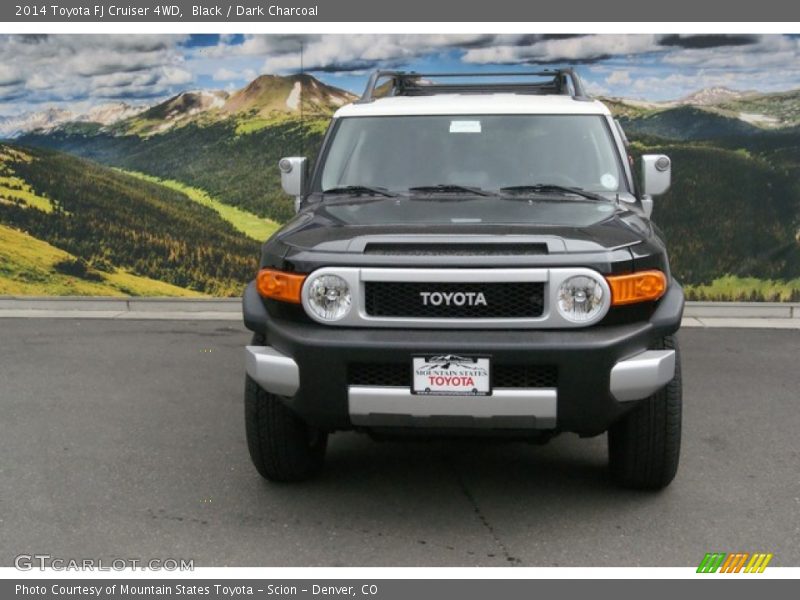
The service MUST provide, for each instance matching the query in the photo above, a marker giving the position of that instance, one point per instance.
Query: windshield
(485, 152)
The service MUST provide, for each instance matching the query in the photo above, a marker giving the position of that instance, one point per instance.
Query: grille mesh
(503, 376)
(524, 376)
(392, 374)
(503, 300)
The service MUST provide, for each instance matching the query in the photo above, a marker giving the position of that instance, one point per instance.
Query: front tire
(644, 446)
(282, 446)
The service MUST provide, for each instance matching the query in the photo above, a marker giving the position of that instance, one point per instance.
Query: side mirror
(293, 176)
(656, 174)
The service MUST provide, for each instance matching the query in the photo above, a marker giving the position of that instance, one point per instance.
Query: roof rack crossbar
(411, 83)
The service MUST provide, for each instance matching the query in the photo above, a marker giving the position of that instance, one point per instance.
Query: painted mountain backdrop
(174, 198)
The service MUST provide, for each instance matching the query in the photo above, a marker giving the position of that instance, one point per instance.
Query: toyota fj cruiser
(471, 255)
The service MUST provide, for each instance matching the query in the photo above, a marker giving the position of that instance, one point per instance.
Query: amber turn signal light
(278, 285)
(637, 287)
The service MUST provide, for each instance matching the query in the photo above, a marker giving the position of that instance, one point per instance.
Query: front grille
(524, 376)
(502, 300)
(380, 374)
(503, 376)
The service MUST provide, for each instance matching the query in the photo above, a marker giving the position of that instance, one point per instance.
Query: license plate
(450, 374)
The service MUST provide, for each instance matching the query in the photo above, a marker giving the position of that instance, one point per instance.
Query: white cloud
(354, 52)
(92, 68)
(596, 89)
(66, 70)
(225, 74)
(173, 76)
(38, 81)
(621, 77)
(572, 49)
(255, 45)
(10, 75)
(769, 51)
(228, 74)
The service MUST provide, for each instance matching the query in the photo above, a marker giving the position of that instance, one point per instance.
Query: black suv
(471, 257)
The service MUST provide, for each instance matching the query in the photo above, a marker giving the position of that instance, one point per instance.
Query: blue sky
(80, 71)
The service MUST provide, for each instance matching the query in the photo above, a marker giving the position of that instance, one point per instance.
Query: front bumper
(602, 372)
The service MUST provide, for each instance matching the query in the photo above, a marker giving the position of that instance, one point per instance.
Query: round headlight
(329, 297)
(581, 299)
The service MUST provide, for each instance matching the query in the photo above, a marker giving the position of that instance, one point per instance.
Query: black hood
(581, 226)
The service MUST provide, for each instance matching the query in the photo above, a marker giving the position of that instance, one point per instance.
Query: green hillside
(238, 169)
(253, 226)
(710, 114)
(31, 267)
(686, 123)
(111, 223)
(622, 108)
(728, 212)
(784, 107)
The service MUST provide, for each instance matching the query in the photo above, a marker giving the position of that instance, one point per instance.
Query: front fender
(253, 309)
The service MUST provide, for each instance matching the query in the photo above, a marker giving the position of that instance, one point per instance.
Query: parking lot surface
(126, 439)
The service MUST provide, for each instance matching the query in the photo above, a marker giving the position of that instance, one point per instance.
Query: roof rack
(411, 83)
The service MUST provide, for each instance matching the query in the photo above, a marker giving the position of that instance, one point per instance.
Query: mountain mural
(53, 118)
(71, 226)
(265, 98)
(224, 143)
(732, 216)
(710, 114)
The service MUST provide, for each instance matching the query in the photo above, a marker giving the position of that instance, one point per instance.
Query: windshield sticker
(465, 126)
(609, 181)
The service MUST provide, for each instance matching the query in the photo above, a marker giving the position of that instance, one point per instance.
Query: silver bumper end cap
(274, 372)
(642, 375)
(504, 408)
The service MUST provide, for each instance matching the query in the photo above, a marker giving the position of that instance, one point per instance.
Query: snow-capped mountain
(181, 108)
(712, 96)
(52, 118)
(11, 127)
(107, 114)
(274, 93)
(265, 96)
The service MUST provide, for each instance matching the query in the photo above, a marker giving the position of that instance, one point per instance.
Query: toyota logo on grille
(453, 298)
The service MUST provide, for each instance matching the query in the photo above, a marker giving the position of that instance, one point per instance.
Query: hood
(568, 225)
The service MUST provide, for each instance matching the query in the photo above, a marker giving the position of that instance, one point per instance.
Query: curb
(110, 304)
(747, 310)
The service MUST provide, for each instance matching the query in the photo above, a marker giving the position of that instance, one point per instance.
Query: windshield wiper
(551, 188)
(453, 188)
(358, 190)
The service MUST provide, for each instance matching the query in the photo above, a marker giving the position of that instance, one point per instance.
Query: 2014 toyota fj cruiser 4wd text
(472, 257)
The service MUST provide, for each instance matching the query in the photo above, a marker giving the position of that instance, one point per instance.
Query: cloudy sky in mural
(79, 71)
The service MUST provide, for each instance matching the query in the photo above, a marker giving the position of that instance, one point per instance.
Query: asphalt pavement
(126, 439)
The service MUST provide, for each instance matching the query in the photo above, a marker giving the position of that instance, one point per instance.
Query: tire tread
(644, 446)
(277, 439)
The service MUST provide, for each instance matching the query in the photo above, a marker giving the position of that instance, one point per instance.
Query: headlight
(329, 297)
(581, 299)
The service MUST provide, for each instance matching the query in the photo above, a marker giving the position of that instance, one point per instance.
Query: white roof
(474, 104)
